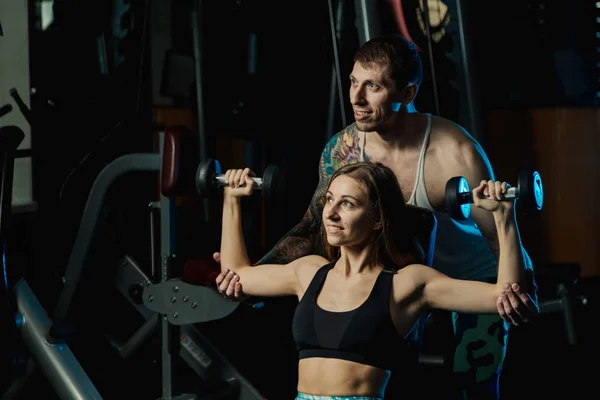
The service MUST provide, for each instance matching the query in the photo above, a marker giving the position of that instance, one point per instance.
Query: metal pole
(569, 318)
(170, 334)
(336, 62)
(129, 347)
(152, 213)
(196, 31)
(58, 363)
(367, 20)
(436, 103)
(120, 166)
(166, 226)
(475, 121)
(196, 25)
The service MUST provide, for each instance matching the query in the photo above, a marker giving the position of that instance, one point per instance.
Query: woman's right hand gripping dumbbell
(239, 182)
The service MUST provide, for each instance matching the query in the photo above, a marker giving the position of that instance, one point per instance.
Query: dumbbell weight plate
(456, 189)
(270, 182)
(205, 175)
(531, 191)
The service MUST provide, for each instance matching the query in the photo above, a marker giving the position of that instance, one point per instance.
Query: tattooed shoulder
(342, 149)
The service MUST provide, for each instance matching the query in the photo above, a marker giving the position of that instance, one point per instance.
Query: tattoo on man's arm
(305, 238)
(300, 241)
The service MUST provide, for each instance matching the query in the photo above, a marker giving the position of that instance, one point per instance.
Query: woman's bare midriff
(333, 377)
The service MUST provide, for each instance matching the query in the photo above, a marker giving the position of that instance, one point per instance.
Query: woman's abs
(333, 377)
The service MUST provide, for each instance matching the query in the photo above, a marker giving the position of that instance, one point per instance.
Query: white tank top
(460, 250)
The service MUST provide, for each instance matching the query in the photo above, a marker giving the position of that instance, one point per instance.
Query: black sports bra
(365, 335)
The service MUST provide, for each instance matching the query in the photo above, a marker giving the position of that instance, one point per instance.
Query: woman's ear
(378, 225)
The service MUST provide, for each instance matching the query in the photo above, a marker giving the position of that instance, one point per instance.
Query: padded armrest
(179, 162)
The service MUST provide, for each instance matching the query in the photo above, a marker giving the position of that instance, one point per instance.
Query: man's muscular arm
(474, 165)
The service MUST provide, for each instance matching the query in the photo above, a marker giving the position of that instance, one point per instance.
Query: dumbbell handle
(467, 197)
(220, 179)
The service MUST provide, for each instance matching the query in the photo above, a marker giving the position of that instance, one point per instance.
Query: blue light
(463, 187)
(4, 259)
(4, 272)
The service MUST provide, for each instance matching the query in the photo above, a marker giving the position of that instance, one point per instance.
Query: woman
(358, 306)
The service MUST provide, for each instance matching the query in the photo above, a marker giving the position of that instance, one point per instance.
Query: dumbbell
(209, 177)
(529, 192)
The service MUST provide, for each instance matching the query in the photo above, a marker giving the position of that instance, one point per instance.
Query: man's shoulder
(456, 148)
(346, 135)
(447, 129)
(343, 148)
(449, 135)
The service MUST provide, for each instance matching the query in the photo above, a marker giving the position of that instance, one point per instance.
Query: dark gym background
(109, 75)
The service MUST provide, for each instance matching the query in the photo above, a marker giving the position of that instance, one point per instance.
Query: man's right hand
(228, 282)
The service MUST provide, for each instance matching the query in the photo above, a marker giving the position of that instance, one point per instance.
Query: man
(424, 151)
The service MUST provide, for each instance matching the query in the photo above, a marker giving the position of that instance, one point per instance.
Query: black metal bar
(10, 138)
(475, 127)
(57, 362)
(5, 109)
(21, 104)
(197, 32)
(122, 165)
(367, 20)
(23, 153)
(431, 61)
(336, 62)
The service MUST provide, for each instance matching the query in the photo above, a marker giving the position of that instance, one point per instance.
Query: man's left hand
(516, 306)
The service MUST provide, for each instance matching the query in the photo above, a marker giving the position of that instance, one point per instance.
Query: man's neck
(406, 133)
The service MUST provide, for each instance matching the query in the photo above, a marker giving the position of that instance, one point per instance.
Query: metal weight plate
(204, 178)
(270, 182)
(531, 190)
(457, 209)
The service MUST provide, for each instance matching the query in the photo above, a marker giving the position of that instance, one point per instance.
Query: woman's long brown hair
(395, 243)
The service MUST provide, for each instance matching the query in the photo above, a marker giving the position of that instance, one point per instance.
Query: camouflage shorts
(480, 352)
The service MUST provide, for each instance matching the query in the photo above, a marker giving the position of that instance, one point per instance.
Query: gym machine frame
(171, 302)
